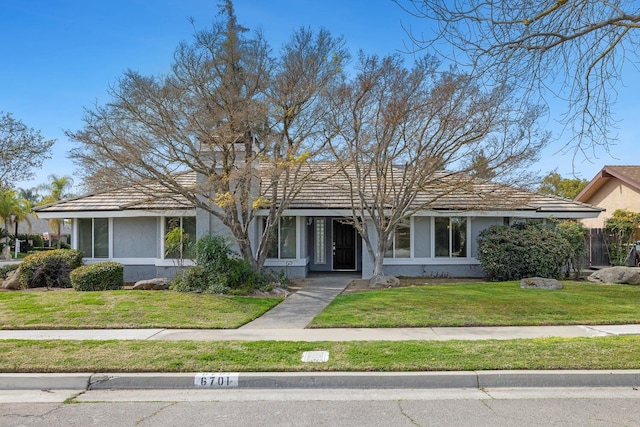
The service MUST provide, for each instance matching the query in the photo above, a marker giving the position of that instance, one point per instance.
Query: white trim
(299, 236)
(290, 262)
(123, 261)
(110, 238)
(432, 243)
(348, 213)
(170, 262)
(355, 248)
(431, 261)
(115, 214)
(515, 214)
(411, 237)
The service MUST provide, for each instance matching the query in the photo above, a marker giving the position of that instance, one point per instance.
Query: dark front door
(344, 246)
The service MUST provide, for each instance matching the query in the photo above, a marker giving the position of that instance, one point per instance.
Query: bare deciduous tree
(573, 50)
(226, 108)
(22, 149)
(405, 138)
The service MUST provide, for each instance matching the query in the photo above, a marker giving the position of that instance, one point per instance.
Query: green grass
(266, 356)
(127, 309)
(483, 304)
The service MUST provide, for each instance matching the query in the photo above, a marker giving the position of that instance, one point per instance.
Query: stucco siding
(135, 237)
(133, 273)
(479, 224)
(614, 194)
(435, 270)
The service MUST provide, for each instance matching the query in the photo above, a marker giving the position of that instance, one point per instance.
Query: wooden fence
(597, 254)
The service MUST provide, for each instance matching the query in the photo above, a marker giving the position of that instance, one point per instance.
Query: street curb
(77, 381)
(324, 380)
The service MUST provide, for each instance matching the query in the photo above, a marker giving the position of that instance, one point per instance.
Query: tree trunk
(378, 270)
(378, 260)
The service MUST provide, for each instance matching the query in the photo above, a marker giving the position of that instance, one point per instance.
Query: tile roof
(627, 174)
(328, 189)
(136, 197)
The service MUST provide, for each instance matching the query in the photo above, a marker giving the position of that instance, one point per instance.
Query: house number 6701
(216, 380)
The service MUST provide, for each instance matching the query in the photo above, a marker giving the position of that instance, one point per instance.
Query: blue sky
(58, 57)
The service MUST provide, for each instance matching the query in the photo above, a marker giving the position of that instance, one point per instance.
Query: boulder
(384, 282)
(623, 275)
(157, 284)
(11, 282)
(540, 283)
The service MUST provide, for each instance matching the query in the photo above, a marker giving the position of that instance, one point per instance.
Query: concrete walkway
(342, 334)
(299, 309)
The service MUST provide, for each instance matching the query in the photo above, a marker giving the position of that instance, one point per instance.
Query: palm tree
(12, 209)
(57, 190)
(30, 195)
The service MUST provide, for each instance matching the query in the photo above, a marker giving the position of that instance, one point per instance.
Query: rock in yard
(540, 283)
(623, 275)
(11, 282)
(157, 284)
(384, 281)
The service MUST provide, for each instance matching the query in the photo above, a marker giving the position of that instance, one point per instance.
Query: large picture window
(93, 237)
(450, 237)
(181, 231)
(401, 243)
(284, 239)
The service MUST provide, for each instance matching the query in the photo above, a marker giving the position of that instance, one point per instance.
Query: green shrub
(512, 253)
(219, 270)
(576, 235)
(50, 269)
(621, 231)
(103, 276)
(28, 241)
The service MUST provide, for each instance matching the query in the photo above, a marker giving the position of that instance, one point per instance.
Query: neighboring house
(614, 187)
(128, 226)
(41, 226)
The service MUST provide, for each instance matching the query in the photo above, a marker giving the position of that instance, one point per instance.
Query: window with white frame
(401, 242)
(450, 237)
(181, 231)
(283, 243)
(320, 240)
(93, 237)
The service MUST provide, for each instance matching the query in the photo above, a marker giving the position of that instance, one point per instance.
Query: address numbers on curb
(216, 380)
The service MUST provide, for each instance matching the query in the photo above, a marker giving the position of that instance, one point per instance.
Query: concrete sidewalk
(311, 335)
(299, 309)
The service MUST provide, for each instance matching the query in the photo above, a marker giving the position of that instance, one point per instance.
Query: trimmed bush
(49, 269)
(512, 253)
(103, 276)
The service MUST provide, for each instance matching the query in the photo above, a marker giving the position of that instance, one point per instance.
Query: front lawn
(65, 309)
(268, 356)
(483, 304)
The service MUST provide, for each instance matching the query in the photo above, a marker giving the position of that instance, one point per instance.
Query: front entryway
(344, 246)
